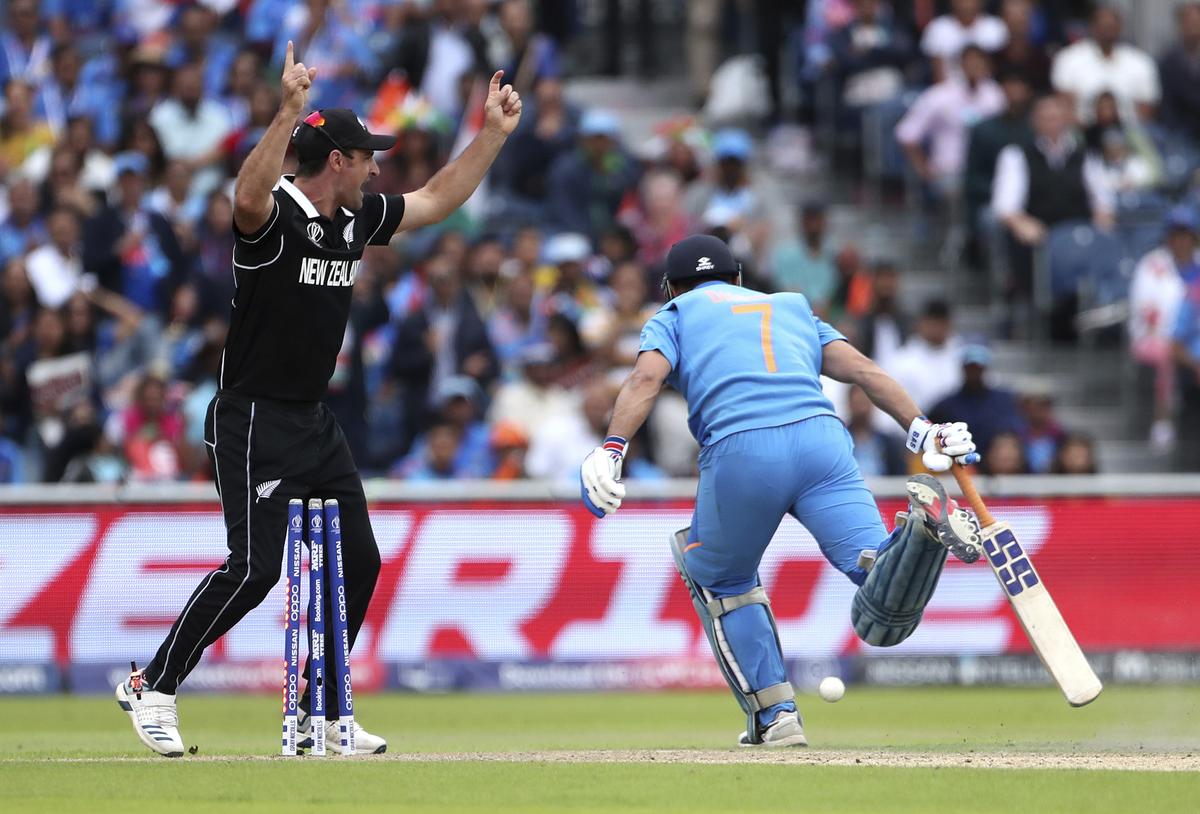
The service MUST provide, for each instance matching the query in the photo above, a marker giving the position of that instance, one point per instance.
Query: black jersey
(294, 278)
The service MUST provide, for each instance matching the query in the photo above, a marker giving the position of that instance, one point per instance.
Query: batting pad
(741, 631)
(887, 607)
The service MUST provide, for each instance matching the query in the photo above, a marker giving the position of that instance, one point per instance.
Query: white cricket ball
(831, 689)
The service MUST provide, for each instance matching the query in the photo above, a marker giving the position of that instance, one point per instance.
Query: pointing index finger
(494, 87)
(289, 59)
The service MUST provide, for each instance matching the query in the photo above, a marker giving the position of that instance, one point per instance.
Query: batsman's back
(742, 359)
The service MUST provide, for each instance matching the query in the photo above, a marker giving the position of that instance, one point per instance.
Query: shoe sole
(124, 703)
(956, 529)
(336, 747)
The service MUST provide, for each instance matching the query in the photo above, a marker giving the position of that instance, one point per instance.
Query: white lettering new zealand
(336, 273)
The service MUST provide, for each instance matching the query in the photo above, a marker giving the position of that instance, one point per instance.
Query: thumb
(936, 461)
(312, 74)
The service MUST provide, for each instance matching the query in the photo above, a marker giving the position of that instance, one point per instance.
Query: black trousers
(251, 443)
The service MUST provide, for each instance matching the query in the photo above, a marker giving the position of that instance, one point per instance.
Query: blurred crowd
(492, 346)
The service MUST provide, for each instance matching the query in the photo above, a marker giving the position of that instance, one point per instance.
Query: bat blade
(1052, 640)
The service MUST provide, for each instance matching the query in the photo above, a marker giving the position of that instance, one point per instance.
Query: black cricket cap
(700, 256)
(335, 128)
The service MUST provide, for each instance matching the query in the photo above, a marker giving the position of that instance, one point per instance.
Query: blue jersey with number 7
(743, 360)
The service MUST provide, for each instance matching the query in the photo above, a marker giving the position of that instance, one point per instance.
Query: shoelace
(166, 715)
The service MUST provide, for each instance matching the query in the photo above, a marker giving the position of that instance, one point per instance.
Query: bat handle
(972, 495)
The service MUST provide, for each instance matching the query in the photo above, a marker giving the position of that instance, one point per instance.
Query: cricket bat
(1031, 602)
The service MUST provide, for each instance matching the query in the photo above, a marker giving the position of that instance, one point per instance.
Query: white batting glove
(941, 445)
(600, 476)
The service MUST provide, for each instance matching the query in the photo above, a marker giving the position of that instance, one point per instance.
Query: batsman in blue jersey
(749, 365)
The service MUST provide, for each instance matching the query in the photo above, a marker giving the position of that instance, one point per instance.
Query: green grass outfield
(62, 754)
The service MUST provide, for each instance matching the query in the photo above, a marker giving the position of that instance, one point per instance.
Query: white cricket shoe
(785, 730)
(953, 526)
(364, 742)
(155, 717)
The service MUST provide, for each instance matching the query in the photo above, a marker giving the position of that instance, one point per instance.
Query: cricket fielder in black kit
(299, 242)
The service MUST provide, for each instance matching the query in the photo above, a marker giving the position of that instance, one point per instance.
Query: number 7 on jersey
(763, 308)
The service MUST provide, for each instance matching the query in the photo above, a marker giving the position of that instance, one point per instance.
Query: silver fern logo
(266, 489)
(348, 233)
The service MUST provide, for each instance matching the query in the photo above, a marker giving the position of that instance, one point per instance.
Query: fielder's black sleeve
(381, 216)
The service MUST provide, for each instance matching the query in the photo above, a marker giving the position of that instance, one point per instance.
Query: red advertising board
(495, 582)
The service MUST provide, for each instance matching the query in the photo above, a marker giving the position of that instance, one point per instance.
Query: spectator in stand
(443, 338)
(197, 43)
(1042, 435)
(131, 248)
(24, 229)
(885, 327)
(192, 127)
(1025, 54)
(1186, 336)
(17, 307)
(332, 38)
(521, 173)
(1101, 63)
(730, 199)
(1076, 456)
(534, 399)
(555, 446)
(1005, 456)
(988, 138)
(213, 257)
(64, 187)
(659, 221)
(1125, 171)
(947, 36)
(1125, 151)
(440, 453)
(615, 335)
(173, 200)
(1160, 282)
(851, 296)
(868, 58)
(238, 89)
(1045, 182)
(151, 433)
(574, 366)
(876, 453)
(150, 80)
(806, 264)
(56, 268)
(24, 47)
(458, 406)
(509, 447)
(518, 324)
(483, 280)
(21, 134)
(942, 116)
(263, 102)
(564, 279)
(929, 364)
(1180, 72)
(525, 56)
(68, 93)
(988, 410)
(586, 186)
(96, 174)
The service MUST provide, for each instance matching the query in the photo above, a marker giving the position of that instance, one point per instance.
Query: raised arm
(260, 171)
(941, 444)
(455, 182)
